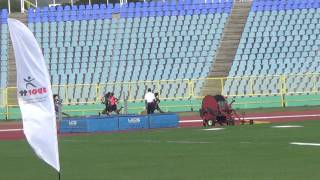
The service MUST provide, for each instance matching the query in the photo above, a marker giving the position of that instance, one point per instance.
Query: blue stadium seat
(156, 34)
(281, 39)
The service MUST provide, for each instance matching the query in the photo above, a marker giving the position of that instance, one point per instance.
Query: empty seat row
(131, 49)
(102, 12)
(259, 5)
(281, 42)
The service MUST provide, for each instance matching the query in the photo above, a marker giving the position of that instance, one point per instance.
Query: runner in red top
(113, 104)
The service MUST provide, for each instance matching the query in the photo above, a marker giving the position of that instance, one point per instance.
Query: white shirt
(149, 97)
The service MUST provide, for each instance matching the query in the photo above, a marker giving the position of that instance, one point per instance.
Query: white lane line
(288, 126)
(189, 121)
(10, 130)
(213, 129)
(305, 144)
(245, 142)
(287, 116)
(260, 117)
(139, 141)
(190, 142)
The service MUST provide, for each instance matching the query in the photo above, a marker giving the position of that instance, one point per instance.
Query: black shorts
(150, 108)
(113, 108)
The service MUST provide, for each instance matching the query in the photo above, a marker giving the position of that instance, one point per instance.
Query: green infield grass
(256, 152)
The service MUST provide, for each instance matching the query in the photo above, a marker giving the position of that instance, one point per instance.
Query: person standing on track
(150, 101)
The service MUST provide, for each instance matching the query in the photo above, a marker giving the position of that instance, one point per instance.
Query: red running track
(13, 130)
(270, 117)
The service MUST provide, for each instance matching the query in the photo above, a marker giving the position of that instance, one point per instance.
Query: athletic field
(245, 152)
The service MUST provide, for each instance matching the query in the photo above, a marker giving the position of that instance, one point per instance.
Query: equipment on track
(216, 109)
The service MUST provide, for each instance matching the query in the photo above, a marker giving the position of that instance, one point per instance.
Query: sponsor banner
(89, 124)
(163, 120)
(115, 123)
(133, 122)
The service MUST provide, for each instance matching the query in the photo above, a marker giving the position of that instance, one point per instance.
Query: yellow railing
(30, 4)
(132, 90)
(279, 85)
(3, 101)
(2, 98)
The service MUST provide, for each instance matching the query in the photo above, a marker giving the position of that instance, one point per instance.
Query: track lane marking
(260, 117)
(305, 144)
(10, 130)
(287, 126)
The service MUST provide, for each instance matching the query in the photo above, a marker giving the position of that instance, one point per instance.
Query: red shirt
(113, 100)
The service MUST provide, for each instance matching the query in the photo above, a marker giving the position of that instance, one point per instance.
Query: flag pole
(59, 121)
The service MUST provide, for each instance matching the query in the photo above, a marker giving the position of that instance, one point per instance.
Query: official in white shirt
(150, 101)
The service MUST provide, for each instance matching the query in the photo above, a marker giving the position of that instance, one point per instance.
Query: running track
(13, 130)
(270, 117)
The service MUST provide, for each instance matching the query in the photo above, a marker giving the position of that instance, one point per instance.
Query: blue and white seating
(134, 42)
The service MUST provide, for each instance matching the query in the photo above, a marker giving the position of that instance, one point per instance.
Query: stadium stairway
(12, 72)
(228, 47)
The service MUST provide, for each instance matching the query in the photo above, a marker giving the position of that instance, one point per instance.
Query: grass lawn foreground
(246, 152)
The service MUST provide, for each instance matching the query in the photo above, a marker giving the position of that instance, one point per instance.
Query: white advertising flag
(34, 94)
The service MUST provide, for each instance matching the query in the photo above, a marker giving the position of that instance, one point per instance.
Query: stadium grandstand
(263, 53)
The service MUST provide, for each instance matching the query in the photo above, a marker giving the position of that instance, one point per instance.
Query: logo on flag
(29, 82)
(31, 89)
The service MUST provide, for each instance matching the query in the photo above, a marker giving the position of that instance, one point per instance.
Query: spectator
(57, 107)
(57, 103)
(150, 101)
